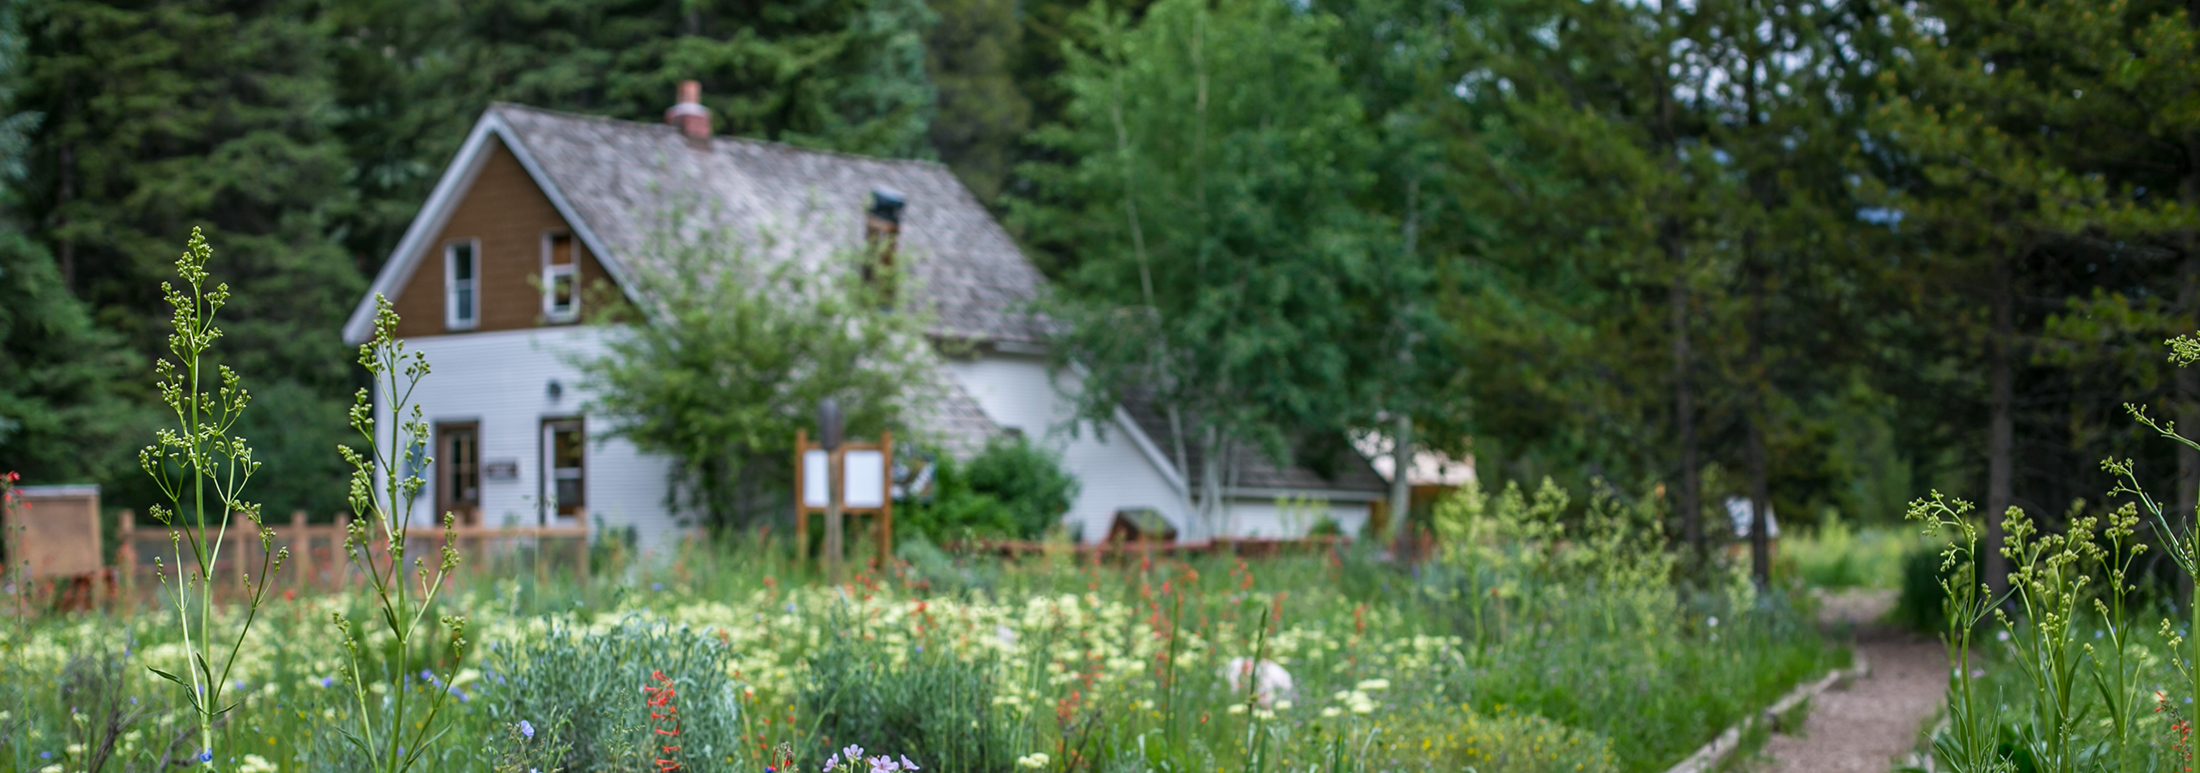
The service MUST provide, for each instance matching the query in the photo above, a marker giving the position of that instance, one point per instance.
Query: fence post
(342, 575)
(303, 540)
(126, 551)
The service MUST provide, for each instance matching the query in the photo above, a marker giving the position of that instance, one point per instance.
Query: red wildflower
(664, 719)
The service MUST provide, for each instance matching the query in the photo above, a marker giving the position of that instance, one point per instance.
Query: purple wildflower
(526, 729)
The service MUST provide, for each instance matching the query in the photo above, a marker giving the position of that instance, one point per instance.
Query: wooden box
(59, 530)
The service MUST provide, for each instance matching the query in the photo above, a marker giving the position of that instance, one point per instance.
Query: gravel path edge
(1711, 754)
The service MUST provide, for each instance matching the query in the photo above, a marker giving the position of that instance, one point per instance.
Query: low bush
(586, 688)
(1012, 489)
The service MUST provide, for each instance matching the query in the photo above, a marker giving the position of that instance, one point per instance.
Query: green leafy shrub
(1011, 489)
(586, 689)
(1921, 607)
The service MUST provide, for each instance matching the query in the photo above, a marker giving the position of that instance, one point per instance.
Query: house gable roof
(619, 183)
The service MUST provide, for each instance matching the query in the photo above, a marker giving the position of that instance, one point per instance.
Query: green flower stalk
(202, 470)
(382, 496)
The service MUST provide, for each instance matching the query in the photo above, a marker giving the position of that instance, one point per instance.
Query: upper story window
(462, 280)
(561, 301)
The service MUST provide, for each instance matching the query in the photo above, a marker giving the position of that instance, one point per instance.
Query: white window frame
(451, 285)
(552, 272)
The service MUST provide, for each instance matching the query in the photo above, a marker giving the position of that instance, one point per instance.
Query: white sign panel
(864, 473)
(813, 478)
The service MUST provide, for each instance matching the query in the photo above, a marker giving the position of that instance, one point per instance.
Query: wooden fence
(1249, 547)
(317, 560)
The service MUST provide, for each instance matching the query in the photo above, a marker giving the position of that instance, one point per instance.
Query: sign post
(852, 479)
(828, 435)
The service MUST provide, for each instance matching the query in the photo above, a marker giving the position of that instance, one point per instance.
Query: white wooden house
(538, 204)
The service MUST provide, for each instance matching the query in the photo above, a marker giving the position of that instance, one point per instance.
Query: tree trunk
(1684, 409)
(1401, 489)
(2000, 427)
(65, 248)
(1401, 460)
(1760, 537)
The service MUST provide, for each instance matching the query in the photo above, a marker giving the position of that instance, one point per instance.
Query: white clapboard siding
(501, 380)
(1112, 472)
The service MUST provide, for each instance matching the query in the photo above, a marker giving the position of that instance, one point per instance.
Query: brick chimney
(688, 113)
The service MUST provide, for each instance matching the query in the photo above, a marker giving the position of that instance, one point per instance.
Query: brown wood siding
(508, 214)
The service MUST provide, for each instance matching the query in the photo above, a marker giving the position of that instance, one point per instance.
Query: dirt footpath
(1873, 723)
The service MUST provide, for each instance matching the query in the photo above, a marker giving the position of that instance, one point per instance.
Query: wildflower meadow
(731, 658)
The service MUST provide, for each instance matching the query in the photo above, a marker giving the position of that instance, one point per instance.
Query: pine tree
(2041, 157)
(63, 415)
(151, 128)
(982, 116)
(841, 74)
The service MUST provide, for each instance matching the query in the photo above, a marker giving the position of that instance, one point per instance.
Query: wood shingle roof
(627, 179)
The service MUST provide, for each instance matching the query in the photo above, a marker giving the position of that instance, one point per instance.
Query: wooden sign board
(866, 484)
(59, 530)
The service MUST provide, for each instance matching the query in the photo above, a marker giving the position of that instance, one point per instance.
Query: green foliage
(583, 690)
(847, 75)
(1838, 555)
(1013, 488)
(147, 133)
(982, 115)
(1027, 479)
(1225, 272)
(65, 411)
(1923, 605)
(733, 356)
(957, 510)
(65, 415)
